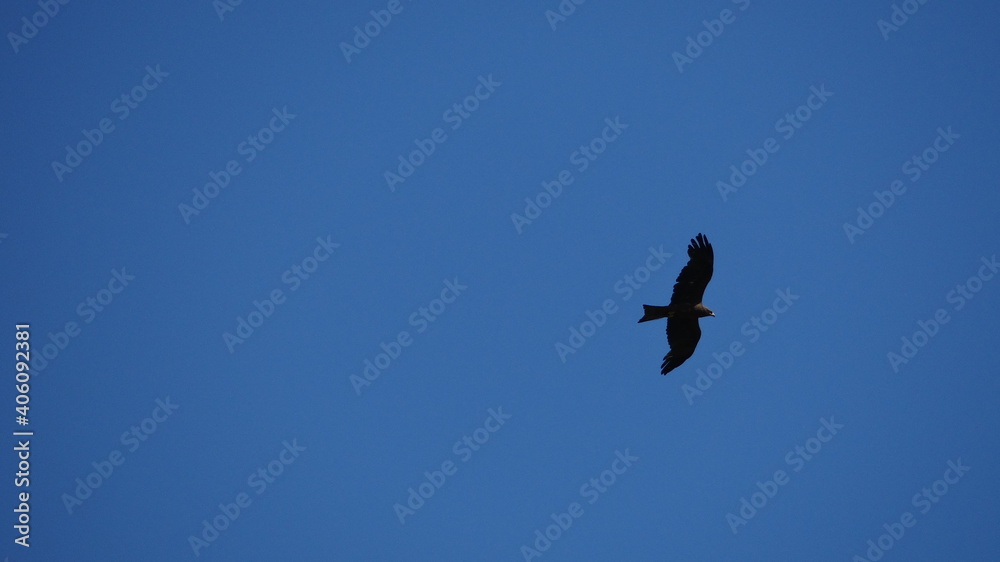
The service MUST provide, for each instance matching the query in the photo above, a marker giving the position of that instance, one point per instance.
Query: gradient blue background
(494, 347)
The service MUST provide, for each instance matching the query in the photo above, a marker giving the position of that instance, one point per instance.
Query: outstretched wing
(682, 335)
(691, 283)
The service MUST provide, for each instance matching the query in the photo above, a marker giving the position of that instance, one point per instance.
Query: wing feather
(682, 335)
(690, 286)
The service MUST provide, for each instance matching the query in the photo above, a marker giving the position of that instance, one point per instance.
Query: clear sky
(361, 282)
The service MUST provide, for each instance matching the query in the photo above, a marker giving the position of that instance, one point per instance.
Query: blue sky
(361, 282)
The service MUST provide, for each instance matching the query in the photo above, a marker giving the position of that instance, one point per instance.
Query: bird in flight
(685, 306)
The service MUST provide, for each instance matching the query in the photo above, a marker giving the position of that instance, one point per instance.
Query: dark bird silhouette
(685, 306)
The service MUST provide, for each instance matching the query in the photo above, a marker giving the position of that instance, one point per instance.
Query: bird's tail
(652, 312)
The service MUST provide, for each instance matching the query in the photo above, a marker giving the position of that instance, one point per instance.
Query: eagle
(685, 306)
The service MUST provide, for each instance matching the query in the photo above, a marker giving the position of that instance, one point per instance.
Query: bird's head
(708, 312)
